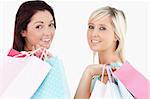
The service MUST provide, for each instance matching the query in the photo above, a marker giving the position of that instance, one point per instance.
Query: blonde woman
(105, 35)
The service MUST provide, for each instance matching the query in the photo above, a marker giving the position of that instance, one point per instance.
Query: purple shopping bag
(134, 81)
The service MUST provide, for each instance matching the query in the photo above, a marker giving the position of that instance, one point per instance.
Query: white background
(70, 42)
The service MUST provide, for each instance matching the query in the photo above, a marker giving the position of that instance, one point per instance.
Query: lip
(46, 40)
(95, 41)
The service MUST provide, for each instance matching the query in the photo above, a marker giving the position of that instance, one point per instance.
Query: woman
(35, 28)
(105, 35)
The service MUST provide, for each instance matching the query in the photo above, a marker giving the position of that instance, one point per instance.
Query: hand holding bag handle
(43, 53)
(99, 87)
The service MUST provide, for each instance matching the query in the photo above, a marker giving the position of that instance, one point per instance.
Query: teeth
(45, 40)
(95, 41)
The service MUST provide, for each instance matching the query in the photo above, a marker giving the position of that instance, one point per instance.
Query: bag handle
(27, 54)
(21, 54)
(103, 71)
(110, 73)
(103, 68)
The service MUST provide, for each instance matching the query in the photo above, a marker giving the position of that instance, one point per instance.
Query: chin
(46, 46)
(94, 49)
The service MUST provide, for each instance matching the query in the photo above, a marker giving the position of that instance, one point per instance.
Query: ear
(23, 33)
(116, 38)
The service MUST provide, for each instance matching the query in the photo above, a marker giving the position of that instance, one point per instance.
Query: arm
(83, 90)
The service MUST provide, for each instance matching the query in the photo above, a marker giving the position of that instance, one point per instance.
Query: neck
(108, 57)
(27, 48)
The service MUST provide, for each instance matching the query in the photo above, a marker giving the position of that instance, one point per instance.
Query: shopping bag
(99, 88)
(134, 81)
(112, 89)
(54, 85)
(115, 89)
(21, 77)
(105, 91)
(9, 69)
(98, 91)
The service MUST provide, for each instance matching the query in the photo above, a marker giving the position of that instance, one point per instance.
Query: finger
(37, 46)
(33, 48)
(97, 69)
(49, 54)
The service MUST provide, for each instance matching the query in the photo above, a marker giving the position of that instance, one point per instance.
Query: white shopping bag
(21, 77)
(115, 89)
(99, 88)
(98, 91)
(112, 90)
(124, 93)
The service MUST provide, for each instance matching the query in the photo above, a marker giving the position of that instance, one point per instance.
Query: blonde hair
(119, 23)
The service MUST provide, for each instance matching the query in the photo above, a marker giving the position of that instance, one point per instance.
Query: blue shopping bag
(54, 85)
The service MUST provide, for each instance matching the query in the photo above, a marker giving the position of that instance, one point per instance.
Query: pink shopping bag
(134, 81)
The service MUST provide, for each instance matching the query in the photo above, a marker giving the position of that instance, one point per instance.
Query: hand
(94, 69)
(39, 50)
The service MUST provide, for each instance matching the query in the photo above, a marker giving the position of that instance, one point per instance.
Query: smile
(46, 40)
(95, 41)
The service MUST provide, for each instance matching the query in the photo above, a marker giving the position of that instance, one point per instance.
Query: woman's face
(40, 30)
(101, 35)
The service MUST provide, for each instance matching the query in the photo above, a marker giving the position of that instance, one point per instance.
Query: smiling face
(40, 30)
(100, 35)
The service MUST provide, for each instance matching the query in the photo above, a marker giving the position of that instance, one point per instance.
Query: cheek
(34, 38)
(88, 36)
(109, 39)
(52, 35)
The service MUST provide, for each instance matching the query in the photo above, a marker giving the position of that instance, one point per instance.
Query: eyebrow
(98, 24)
(103, 25)
(42, 22)
(52, 21)
(90, 23)
(38, 22)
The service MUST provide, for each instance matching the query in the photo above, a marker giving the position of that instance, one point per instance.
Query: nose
(95, 32)
(48, 32)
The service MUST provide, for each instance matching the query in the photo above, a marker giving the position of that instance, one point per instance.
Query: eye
(102, 28)
(39, 27)
(51, 25)
(91, 27)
